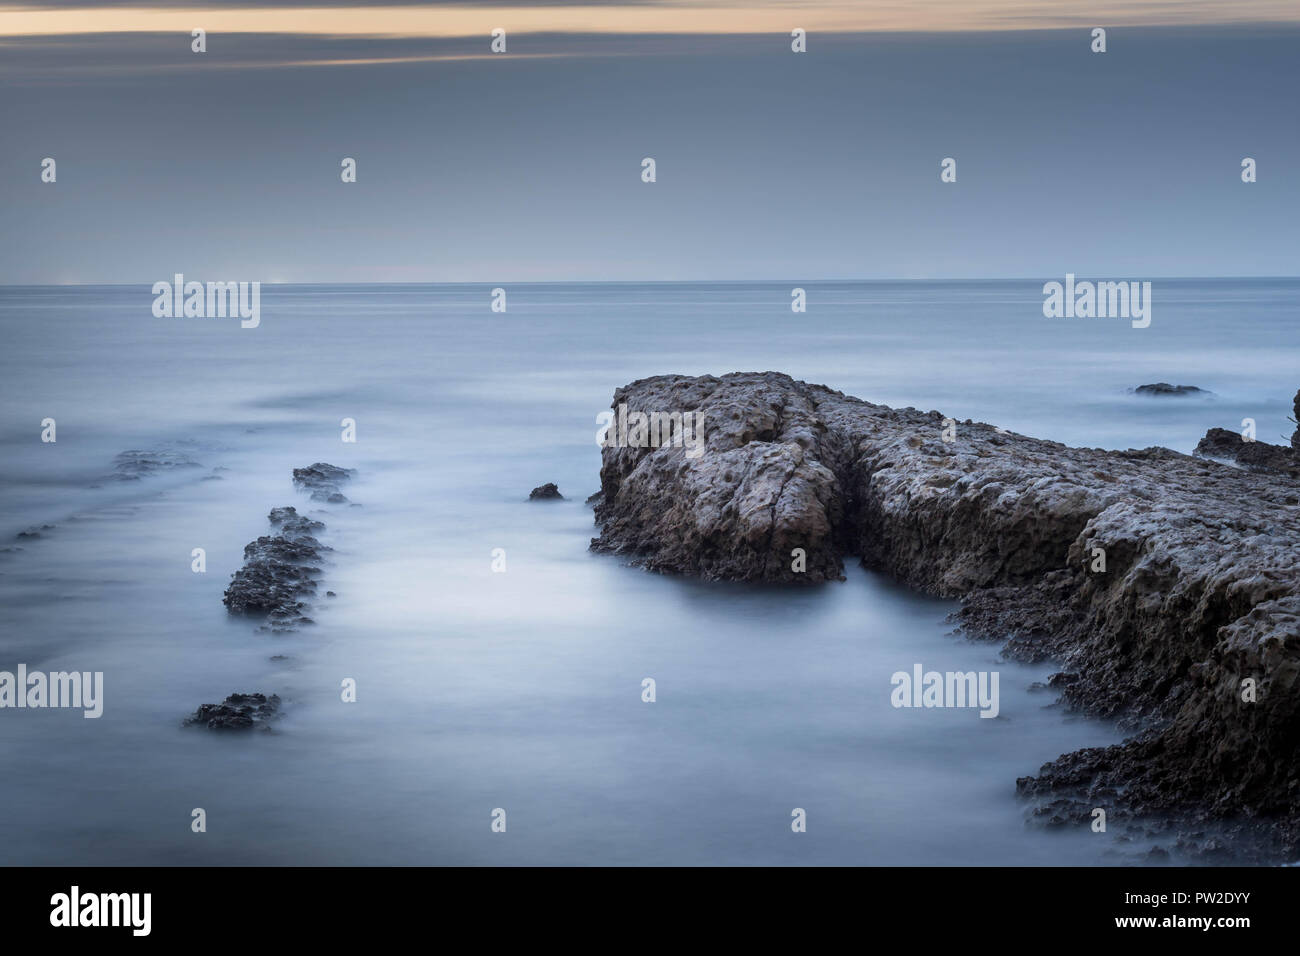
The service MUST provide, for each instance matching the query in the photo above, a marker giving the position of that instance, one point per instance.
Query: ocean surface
(521, 690)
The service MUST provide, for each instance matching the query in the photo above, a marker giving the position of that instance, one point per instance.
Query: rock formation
(1160, 581)
(1224, 445)
(237, 712)
(1165, 389)
(279, 571)
(546, 492)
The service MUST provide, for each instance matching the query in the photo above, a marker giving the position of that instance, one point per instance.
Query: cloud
(463, 18)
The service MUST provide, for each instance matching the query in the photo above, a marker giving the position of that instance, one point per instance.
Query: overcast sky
(527, 165)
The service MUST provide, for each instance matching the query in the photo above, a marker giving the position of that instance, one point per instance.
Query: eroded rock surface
(279, 571)
(546, 492)
(1160, 581)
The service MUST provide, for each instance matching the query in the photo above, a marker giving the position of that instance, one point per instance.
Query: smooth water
(522, 690)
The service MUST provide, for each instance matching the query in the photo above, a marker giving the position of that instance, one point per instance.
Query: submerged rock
(237, 712)
(136, 464)
(1159, 580)
(546, 492)
(1165, 389)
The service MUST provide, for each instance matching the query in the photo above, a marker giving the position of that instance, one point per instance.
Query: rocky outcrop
(323, 481)
(278, 574)
(1224, 445)
(546, 492)
(237, 712)
(1164, 389)
(279, 571)
(1161, 582)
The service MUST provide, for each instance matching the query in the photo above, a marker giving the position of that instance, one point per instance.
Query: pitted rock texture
(279, 571)
(1200, 588)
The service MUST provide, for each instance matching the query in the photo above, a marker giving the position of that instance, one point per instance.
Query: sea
(499, 665)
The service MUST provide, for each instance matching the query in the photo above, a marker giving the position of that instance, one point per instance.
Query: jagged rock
(546, 492)
(237, 712)
(1165, 389)
(1201, 587)
(278, 571)
(1225, 445)
(323, 481)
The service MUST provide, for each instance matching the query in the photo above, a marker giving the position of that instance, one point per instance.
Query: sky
(527, 165)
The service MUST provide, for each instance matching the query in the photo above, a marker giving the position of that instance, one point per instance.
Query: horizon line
(497, 282)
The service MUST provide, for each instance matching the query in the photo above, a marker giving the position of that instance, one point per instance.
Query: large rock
(1200, 589)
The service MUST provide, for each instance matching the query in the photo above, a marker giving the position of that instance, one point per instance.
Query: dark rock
(280, 569)
(546, 492)
(1295, 417)
(1165, 389)
(237, 712)
(1224, 445)
(1201, 587)
(323, 481)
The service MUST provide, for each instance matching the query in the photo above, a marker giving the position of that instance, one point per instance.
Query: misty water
(522, 690)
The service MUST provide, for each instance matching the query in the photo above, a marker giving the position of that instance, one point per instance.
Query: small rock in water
(323, 481)
(236, 712)
(546, 492)
(1164, 388)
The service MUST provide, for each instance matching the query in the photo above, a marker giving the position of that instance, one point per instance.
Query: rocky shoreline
(1166, 586)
